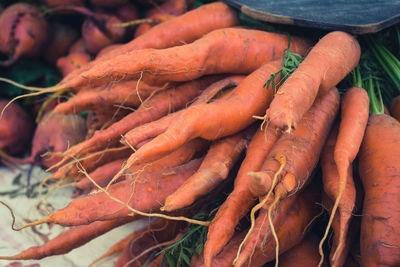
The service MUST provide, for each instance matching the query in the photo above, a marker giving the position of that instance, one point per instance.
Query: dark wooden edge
(355, 29)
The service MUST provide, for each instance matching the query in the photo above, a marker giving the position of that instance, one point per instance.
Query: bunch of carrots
(183, 114)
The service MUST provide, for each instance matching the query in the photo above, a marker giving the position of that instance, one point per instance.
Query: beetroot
(127, 12)
(16, 128)
(62, 37)
(72, 62)
(24, 30)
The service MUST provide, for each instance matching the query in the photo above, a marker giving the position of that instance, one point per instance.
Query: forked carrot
(355, 112)
(207, 55)
(215, 168)
(240, 200)
(328, 62)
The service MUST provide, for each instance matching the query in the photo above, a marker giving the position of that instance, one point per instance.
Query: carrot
(207, 55)
(149, 22)
(291, 221)
(129, 93)
(144, 194)
(192, 25)
(303, 254)
(100, 175)
(355, 112)
(156, 107)
(328, 62)
(68, 240)
(225, 116)
(240, 200)
(72, 62)
(379, 170)
(214, 169)
(136, 253)
(154, 128)
(300, 148)
(395, 108)
(157, 225)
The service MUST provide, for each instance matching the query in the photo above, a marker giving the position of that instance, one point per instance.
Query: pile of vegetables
(236, 141)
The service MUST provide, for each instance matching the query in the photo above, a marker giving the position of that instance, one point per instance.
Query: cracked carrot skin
(239, 202)
(147, 193)
(328, 62)
(380, 171)
(214, 169)
(180, 30)
(70, 239)
(127, 93)
(248, 50)
(308, 139)
(222, 117)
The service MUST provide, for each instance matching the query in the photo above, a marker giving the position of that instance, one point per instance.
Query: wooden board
(355, 16)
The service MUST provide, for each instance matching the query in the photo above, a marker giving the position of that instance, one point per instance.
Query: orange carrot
(355, 112)
(161, 104)
(214, 169)
(379, 171)
(222, 117)
(154, 128)
(291, 221)
(101, 175)
(207, 55)
(72, 62)
(157, 225)
(72, 238)
(192, 25)
(240, 200)
(129, 93)
(328, 62)
(303, 254)
(300, 148)
(144, 194)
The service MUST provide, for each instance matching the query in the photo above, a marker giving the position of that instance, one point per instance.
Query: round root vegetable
(55, 133)
(70, 239)
(62, 37)
(380, 171)
(328, 62)
(395, 108)
(16, 129)
(355, 112)
(24, 30)
(207, 55)
(127, 12)
(240, 200)
(71, 62)
(78, 47)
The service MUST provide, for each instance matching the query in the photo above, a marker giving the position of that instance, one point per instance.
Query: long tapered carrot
(355, 112)
(72, 238)
(147, 193)
(298, 211)
(154, 128)
(328, 62)
(215, 167)
(240, 200)
(301, 148)
(207, 55)
(222, 117)
(379, 171)
(129, 93)
(157, 225)
(156, 107)
(183, 29)
(101, 175)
